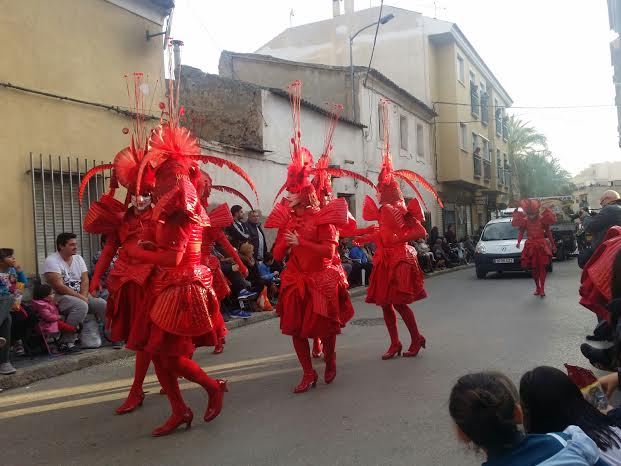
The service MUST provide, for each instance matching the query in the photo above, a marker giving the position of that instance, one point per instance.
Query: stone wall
(223, 110)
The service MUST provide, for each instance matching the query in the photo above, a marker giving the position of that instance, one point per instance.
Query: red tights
(391, 321)
(302, 350)
(168, 368)
(141, 367)
(539, 275)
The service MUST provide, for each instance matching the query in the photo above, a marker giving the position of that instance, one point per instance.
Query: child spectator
(265, 268)
(47, 311)
(552, 402)
(486, 412)
(10, 274)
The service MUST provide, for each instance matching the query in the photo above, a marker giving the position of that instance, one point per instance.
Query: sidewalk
(39, 368)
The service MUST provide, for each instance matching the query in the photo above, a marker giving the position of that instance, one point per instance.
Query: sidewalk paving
(30, 370)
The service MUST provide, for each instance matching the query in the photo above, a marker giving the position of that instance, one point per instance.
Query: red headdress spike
(220, 162)
(234, 192)
(321, 180)
(416, 178)
(89, 174)
(530, 206)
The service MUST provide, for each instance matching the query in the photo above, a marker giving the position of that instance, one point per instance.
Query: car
(496, 250)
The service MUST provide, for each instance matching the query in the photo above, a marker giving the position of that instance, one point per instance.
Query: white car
(496, 250)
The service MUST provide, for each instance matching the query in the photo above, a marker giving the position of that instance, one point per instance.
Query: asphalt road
(375, 413)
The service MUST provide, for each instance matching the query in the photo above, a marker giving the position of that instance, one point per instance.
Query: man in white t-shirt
(65, 271)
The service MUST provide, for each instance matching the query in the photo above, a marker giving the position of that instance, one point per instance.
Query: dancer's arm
(548, 232)
(323, 249)
(107, 254)
(223, 241)
(519, 238)
(414, 233)
(280, 247)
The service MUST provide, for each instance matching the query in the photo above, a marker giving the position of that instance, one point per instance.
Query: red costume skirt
(536, 253)
(184, 314)
(396, 279)
(127, 316)
(313, 305)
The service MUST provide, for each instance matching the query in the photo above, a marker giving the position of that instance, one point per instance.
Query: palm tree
(523, 138)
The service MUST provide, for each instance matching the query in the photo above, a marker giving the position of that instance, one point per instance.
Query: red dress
(397, 277)
(185, 310)
(126, 310)
(537, 251)
(313, 298)
(595, 292)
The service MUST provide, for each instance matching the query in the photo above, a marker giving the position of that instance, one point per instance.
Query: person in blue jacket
(486, 411)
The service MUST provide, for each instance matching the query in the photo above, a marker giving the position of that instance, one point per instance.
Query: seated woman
(552, 402)
(485, 409)
(246, 253)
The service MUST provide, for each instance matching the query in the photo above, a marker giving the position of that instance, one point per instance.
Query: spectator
(359, 256)
(237, 232)
(433, 236)
(425, 255)
(552, 402)
(103, 287)
(246, 253)
(346, 262)
(47, 311)
(257, 237)
(598, 225)
(450, 235)
(469, 246)
(65, 271)
(485, 409)
(265, 268)
(441, 258)
(10, 274)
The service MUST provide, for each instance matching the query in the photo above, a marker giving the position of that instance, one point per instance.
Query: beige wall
(77, 49)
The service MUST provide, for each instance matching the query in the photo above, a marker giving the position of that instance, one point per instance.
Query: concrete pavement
(375, 413)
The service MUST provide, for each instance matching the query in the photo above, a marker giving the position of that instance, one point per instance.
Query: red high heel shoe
(214, 406)
(415, 347)
(173, 422)
(308, 381)
(134, 399)
(330, 373)
(317, 350)
(393, 350)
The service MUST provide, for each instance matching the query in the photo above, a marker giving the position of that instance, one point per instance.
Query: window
(461, 69)
(463, 136)
(380, 123)
(498, 115)
(499, 166)
(403, 131)
(475, 143)
(486, 154)
(474, 95)
(484, 99)
(420, 141)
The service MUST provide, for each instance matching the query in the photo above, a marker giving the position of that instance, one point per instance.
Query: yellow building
(62, 93)
(471, 128)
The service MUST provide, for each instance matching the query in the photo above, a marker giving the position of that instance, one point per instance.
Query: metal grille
(55, 182)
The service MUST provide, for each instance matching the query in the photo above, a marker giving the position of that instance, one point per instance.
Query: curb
(362, 290)
(53, 367)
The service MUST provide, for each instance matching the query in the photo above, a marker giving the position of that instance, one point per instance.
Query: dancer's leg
(390, 319)
(543, 271)
(136, 394)
(329, 346)
(418, 341)
(181, 414)
(302, 349)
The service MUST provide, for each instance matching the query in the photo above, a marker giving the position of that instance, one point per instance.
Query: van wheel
(481, 274)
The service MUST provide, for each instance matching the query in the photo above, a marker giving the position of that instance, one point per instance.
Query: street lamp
(382, 20)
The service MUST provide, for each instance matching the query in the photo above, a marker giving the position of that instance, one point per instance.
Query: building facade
(434, 61)
(412, 143)
(63, 92)
(593, 181)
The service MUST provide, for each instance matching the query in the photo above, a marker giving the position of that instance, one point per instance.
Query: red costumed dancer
(540, 246)
(397, 279)
(322, 182)
(220, 218)
(126, 312)
(595, 288)
(313, 301)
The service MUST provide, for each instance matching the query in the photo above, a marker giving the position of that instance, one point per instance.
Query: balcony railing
(487, 170)
(505, 129)
(499, 122)
(477, 166)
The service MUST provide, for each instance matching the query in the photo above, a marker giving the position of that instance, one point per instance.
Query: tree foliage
(539, 172)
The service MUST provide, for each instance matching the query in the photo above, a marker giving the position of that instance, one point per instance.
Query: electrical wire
(374, 41)
(535, 107)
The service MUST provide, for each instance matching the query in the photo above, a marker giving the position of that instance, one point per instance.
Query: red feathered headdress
(388, 189)
(125, 166)
(530, 206)
(322, 173)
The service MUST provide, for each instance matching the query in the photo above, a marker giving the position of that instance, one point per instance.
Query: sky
(546, 53)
